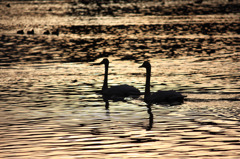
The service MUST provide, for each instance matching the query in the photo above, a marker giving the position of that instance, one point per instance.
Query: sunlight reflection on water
(57, 109)
(50, 106)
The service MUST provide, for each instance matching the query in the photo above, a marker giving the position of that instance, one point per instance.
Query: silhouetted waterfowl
(20, 32)
(56, 32)
(198, 1)
(160, 97)
(30, 32)
(209, 52)
(163, 2)
(74, 81)
(8, 5)
(117, 92)
(47, 32)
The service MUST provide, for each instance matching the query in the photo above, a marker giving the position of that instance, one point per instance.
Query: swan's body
(121, 91)
(117, 92)
(160, 97)
(30, 32)
(168, 97)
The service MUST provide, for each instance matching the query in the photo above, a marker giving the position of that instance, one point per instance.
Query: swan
(160, 97)
(117, 92)
(30, 32)
(20, 32)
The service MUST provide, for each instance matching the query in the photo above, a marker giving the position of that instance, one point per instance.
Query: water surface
(50, 106)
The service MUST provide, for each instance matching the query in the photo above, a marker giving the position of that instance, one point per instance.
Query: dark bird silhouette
(56, 32)
(30, 32)
(209, 52)
(47, 32)
(118, 92)
(198, 1)
(20, 32)
(160, 97)
(8, 5)
(163, 2)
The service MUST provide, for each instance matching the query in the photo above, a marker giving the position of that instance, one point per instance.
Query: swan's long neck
(147, 86)
(105, 83)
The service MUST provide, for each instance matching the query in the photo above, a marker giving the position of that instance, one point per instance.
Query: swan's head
(146, 64)
(104, 61)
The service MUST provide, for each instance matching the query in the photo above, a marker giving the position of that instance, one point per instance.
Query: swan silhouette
(118, 92)
(160, 97)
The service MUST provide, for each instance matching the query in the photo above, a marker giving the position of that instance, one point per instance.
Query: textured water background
(51, 109)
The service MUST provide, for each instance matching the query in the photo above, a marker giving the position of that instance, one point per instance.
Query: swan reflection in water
(149, 111)
(150, 123)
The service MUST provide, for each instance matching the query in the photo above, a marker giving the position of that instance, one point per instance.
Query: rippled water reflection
(55, 110)
(50, 106)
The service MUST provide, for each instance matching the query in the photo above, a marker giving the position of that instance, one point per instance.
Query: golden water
(50, 106)
(53, 111)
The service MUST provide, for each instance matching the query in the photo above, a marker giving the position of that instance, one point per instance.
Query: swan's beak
(141, 66)
(104, 61)
(96, 64)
